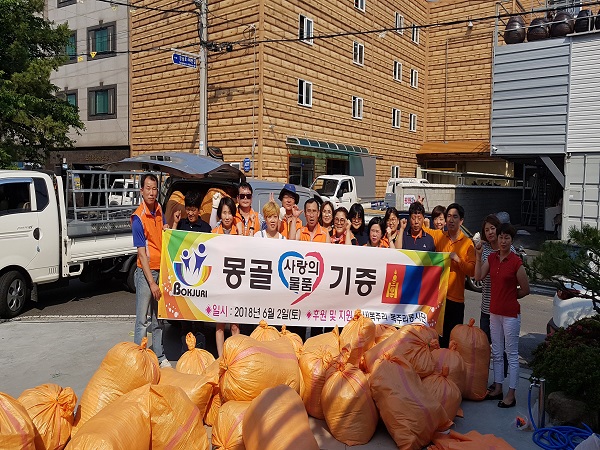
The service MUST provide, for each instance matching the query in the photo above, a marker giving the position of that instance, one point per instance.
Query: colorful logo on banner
(189, 269)
(301, 273)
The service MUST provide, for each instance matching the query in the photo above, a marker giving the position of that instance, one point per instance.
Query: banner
(236, 279)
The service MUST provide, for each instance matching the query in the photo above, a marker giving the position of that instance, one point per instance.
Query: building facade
(96, 79)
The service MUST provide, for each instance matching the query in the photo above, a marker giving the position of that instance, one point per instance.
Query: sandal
(501, 404)
(499, 396)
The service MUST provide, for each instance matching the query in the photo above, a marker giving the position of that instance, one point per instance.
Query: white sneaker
(165, 363)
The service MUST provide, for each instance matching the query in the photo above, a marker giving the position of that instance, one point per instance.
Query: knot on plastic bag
(433, 344)
(357, 314)
(144, 343)
(471, 322)
(190, 341)
(67, 400)
(263, 324)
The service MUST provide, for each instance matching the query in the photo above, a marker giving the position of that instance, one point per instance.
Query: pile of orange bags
(472, 344)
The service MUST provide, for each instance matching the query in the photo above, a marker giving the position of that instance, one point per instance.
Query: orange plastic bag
(294, 338)
(349, 410)
(412, 342)
(445, 390)
(175, 421)
(265, 332)
(16, 427)
(207, 201)
(450, 357)
(198, 388)
(410, 413)
(277, 420)
(314, 363)
(359, 334)
(124, 424)
(250, 366)
(51, 409)
(331, 339)
(227, 433)
(212, 409)
(383, 331)
(469, 441)
(472, 344)
(125, 367)
(195, 360)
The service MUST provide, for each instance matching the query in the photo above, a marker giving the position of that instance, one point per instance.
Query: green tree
(33, 121)
(578, 260)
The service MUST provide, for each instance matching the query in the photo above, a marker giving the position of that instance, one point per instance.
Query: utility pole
(203, 94)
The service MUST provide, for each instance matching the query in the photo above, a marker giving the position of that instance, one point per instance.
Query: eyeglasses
(244, 196)
(340, 221)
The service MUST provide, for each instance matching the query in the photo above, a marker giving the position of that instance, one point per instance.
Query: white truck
(124, 191)
(52, 230)
(343, 190)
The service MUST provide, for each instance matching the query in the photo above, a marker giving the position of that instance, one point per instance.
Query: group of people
(491, 260)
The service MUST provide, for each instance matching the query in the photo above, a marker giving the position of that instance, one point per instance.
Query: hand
(155, 291)
(216, 199)
(479, 249)
(272, 197)
(348, 225)
(176, 217)
(420, 199)
(296, 212)
(388, 231)
(403, 223)
(454, 257)
(426, 222)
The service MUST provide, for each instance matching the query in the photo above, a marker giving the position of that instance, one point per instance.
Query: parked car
(569, 306)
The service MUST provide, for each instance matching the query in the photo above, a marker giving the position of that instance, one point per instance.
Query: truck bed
(89, 248)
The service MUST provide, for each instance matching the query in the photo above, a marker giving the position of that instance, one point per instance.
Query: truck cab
(338, 189)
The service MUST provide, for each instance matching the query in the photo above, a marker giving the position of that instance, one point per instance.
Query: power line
(150, 8)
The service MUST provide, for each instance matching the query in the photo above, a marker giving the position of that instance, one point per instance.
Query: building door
(302, 170)
(337, 167)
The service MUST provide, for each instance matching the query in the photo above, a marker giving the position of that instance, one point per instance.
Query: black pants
(454, 315)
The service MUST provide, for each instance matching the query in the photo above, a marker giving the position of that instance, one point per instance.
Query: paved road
(109, 298)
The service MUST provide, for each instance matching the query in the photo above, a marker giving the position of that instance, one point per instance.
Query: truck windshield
(325, 186)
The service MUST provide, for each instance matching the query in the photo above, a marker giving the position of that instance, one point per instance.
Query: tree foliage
(578, 260)
(33, 121)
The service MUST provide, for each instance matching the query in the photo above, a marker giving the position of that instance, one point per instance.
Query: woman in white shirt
(271, 216)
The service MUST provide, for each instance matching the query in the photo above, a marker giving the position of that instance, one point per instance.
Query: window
(415, 34)
(398, 71)
(15, 197)
(345, 187)
(302, 171)
(62, 3)
(304, 93)
(357, 107)
(102, 103)
(395, 172)
(41, 194)
(395, 118)
(399, 23)
(101, 41)
(305, 29)
(414, 78)
(68, 96)
(358, 55)
(413, 122)
(359, 4)
(71, 48)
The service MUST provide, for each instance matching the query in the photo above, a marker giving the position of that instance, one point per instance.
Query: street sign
(246, 164)
(183, 60)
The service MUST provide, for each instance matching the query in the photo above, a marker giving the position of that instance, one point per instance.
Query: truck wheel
(130, 280)
(474, 285)
(14, 293)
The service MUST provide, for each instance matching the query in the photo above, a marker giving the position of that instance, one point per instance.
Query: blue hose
(557, 438)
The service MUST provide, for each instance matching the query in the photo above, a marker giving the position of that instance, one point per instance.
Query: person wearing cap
(289, 222)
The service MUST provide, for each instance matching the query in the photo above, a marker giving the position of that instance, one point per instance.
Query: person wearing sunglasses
(251, 221)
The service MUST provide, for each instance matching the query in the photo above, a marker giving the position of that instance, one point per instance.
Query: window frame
(415, 33)
(63, 3)
(93, 90)
(412, 122)
(72, 59)
(357, 107)
(414, 78)
(303, 36)
(399, 22)
(357, 4)
(397, 74)
(360, 55)
(91, 42)
(396, 117)
(305, 84)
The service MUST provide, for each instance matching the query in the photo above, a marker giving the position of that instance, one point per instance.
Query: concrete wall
(478, 201)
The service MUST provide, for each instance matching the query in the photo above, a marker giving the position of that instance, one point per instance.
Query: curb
(74, 318)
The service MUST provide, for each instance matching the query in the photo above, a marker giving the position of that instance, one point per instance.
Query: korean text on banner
(221, 278)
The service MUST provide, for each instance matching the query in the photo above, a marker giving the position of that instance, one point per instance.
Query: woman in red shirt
(509, 283)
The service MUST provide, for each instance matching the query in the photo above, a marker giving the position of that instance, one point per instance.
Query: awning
(454, 148)
(324, 146)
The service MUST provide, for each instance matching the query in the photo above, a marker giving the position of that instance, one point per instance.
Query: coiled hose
(557, 438)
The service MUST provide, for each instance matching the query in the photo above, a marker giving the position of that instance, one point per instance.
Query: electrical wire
(150, 8)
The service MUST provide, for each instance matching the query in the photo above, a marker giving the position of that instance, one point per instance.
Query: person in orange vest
(251, 221)
(147, 225)
(313, 231)
(289, 200)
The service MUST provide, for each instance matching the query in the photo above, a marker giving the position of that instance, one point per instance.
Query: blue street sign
(246, 164)
(183, 60)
